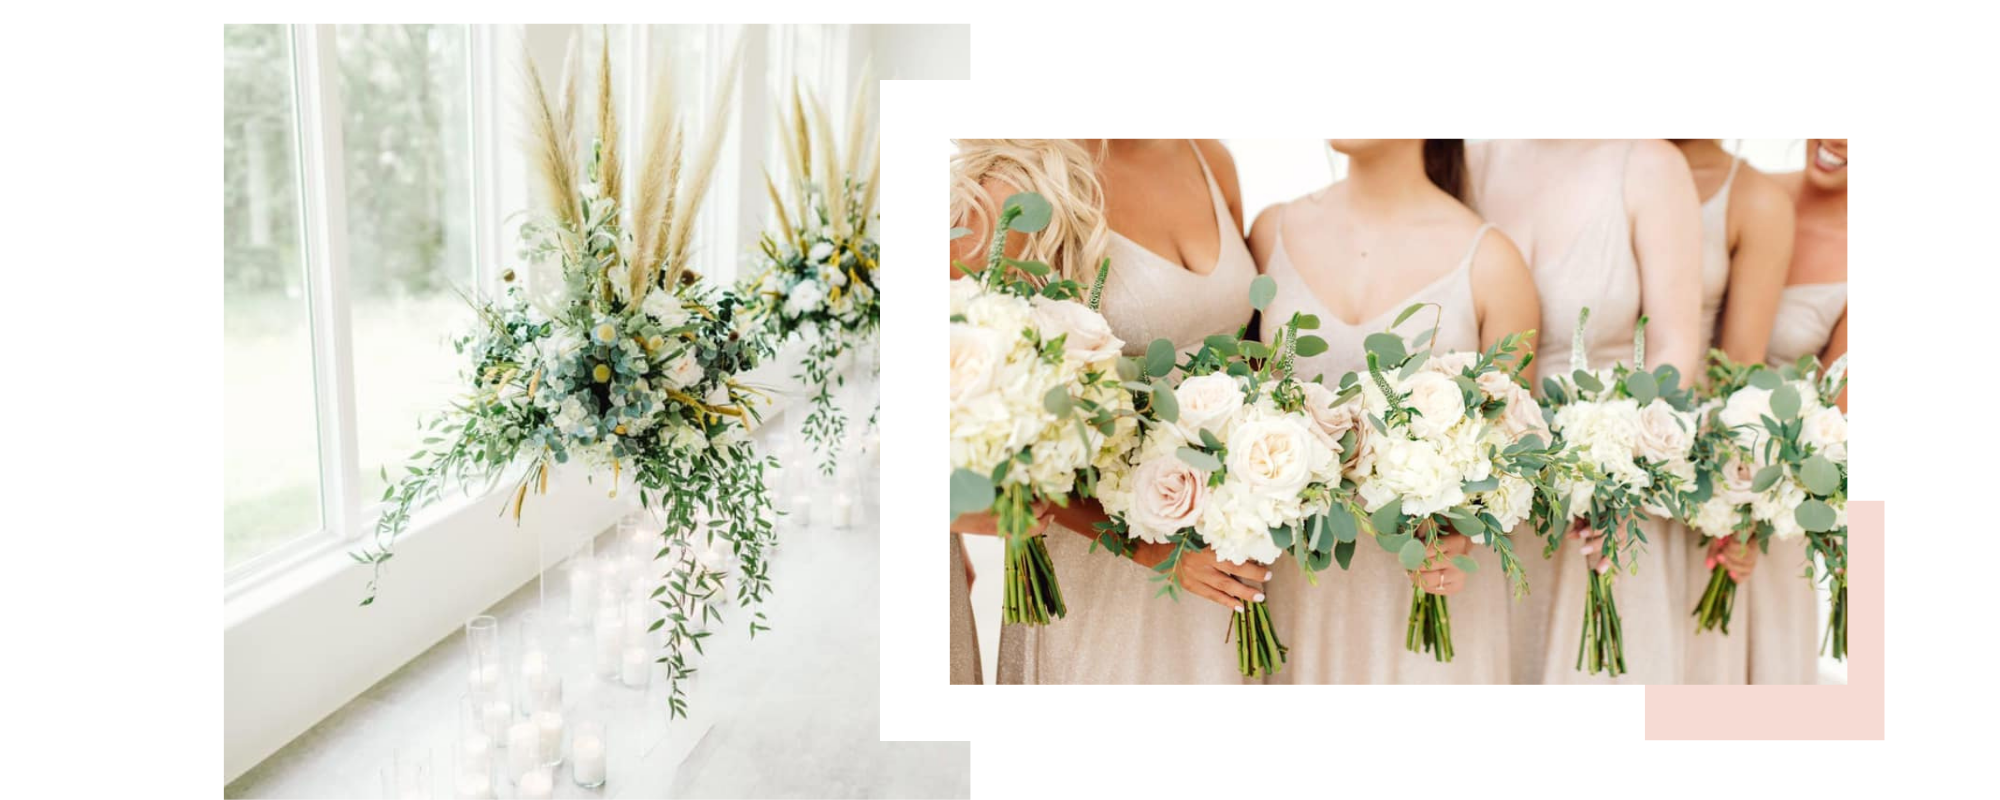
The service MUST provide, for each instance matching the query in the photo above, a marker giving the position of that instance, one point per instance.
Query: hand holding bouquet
(1630, 439)
(1035, 404)
(1231, 460)
(1773, 464)
(1454, 444)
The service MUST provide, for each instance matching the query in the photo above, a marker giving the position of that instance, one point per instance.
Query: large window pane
(407, 160)
(270, 441)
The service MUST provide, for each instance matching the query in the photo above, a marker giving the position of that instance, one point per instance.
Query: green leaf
(1165, 406)
(1281, 535)
(1310, 346)
(1642, 386)
(1344, 553)
(1586, 381)
(1128, 368)
(1489, 484)
(1035, 268)
(1766, 477)
(1221, 343)
(1057, 401)
(1407, 313)
(1035, 212)
(1159, 358)
(1307, 322)
(1343, 525)
(1262, 290)
(1820, 476)
(1815, 515)
(1387, 519)
(1198, 459)
(960, 233)
(971, 492)
(1387, 347)
(1208, 440)
(1765, 379)
(1415, 363)
(1411, 554)
(1785, 402)
(1465, 564)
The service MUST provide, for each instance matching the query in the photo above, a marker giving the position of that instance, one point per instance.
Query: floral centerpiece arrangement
(1231, 459)
(1453, 443)
(1631, 435)
(630, 366)
(1772, 454)
(816, 271)
(1035, 403)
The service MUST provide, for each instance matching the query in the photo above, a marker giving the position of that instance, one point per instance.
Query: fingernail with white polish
(1267, 574)
(1260, 597)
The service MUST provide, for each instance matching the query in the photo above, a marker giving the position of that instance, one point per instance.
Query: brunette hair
(1444, 164)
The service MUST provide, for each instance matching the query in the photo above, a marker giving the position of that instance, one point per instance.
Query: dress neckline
(1218, 210)
(1280, 252)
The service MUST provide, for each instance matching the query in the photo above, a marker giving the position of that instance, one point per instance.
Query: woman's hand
(1593, 549)
(1444, 578)
(1734, 555)
(1207, 577)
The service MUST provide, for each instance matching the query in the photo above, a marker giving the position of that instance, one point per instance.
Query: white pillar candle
(497, 714)
(551, 725)
(843, 511)
(475, 786)
(524, 739)
(535, 672)
(610, 629)
(587, 753)
(582, 589)
(475, 753)
(635, 666)
(637, 620)
(802, 509)
(483, 680)
(536, 784)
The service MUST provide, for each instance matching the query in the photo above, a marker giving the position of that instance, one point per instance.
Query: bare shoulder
(1264, 233)
(1223, 166)
(1497, 264)
(1656, 162)
(1761, 198)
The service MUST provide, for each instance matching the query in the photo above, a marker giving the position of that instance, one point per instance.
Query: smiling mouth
(1826, 160)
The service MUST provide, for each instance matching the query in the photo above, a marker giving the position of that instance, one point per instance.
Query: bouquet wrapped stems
(1836, 623)
(1430, 624)
(1603, 645)
(1032, 594)
(1258, 651)
(1718, 601)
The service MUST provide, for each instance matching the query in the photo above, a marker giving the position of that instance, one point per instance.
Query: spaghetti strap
(1477, 237)
(1734, 162)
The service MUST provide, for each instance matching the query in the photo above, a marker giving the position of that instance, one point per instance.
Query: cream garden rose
(1664, 434)
(1438, 401)
(1088, 337)
(976, 354)
(1276, 456)
(1207, 402)
(1826, 430)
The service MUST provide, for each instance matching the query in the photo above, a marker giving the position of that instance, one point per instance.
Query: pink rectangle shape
(1853, 711)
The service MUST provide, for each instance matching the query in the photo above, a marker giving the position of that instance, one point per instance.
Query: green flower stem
(1033, 597)
(1718, 602)
(1836, 623)
(1258, 651)
(1603, 645)
(1430, 624)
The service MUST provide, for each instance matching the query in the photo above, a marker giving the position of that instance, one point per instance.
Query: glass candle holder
(581, 574)
(482, 647)
(472, 776)
(408, 774)
(608, 633)
(536, 784)
(473, 751)
(588, 748)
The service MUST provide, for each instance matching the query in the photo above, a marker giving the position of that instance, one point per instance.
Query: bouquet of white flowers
(630, 365)
(1631, 437)
(819, 267)
(1231, 459)
(1454, 444)
(1772, 456)
(1035, 403)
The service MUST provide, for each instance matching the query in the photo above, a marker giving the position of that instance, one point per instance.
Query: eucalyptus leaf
(1407, 313)
(1586, 381)
(1310, 346)
(1766, 477)
(1342, 524)
(1262, 291)
(1387, 519)
(1057, 401)
(960, 233)
(1820, 476)
(1465, 564)
(1035, 212)
(1199, 459)
(1344, 553)
(1785, 402)
(1765, 379)
(1160, 358)
(1165, 406)
(1815, 515)
(1411, 554)
(1642, 387)
(1387, 347)
(971, 492)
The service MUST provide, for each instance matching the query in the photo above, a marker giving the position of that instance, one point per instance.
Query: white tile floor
(793, 714)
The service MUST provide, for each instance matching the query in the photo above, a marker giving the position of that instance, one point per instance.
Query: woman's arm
(1666, 238)
(1836, 346)
(1757, 266)
(1504, 293)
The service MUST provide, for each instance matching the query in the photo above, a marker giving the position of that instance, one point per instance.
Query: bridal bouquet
(1632, 439)
(629, 365)
(1035, 403)
(1454, 444)
(1233, 459)
(818, 268)
(1773, 464)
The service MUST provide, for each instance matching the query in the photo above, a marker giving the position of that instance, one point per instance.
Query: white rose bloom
(1089, 338)
(1210, 402)
(820, 252)
(1449, 364)
(1276, 456)
(1438, 401)
(1522, 416)
(1744, 413)
(1664, 433)
(1168, 494)
(976, 355)
(664, 308)
(963, 290)
(805, 298)
(683, 372)
(1734, 482)
(1826, 431)
(1331, 422)
(1715, 518)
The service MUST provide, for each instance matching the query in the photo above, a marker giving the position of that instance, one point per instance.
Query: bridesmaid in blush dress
(1614, 226)
(1167, 212)
(1395, 232)
(1746, 245)
(1783, 605)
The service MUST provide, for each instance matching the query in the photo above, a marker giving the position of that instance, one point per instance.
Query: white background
(114, 651)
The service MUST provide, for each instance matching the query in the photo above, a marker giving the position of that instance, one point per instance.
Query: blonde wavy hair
(1059, 170)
